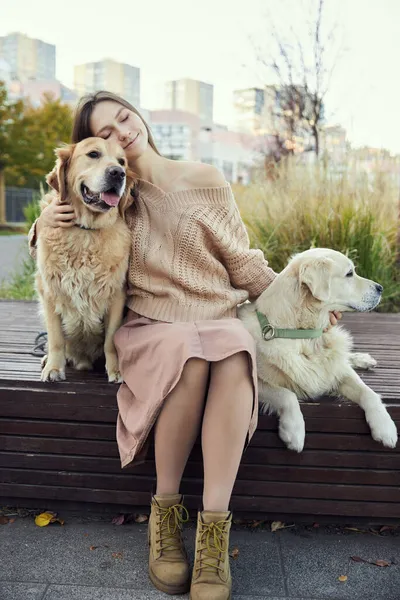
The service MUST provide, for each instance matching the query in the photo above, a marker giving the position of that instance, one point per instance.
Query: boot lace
(171, 520)
(213, 545)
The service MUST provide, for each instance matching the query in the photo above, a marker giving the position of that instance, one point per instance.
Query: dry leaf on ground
(275, 525)
(382, 563)
(256, 523)
(4, 520)
(141, 518)
(93, 547)
(45, 518)
(117, 554)
(118, 520)
(378, 563)
(342, 578)
(234, 553)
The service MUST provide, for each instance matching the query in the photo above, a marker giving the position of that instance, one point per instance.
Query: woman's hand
(334, 317)
(56, 214)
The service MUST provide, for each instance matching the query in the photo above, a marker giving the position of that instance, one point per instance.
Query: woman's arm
(53, 214)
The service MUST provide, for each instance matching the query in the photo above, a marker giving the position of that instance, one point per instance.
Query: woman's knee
(195, 371)
(235, 367)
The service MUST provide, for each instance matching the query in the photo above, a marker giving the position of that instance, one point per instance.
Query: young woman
(187, 362)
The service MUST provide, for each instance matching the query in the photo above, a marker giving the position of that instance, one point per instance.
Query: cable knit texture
(190, 257)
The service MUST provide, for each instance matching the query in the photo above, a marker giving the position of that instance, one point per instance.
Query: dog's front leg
(54, 365)
(383, 429)
(113, 320)
(285, 404)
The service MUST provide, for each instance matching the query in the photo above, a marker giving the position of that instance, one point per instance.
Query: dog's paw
(383, 428)
(52, 373)
(292, 431)
(43, 361)
(361, 360)
(114, 377)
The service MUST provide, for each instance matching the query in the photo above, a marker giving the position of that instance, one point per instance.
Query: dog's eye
(93, 154)
(121, 161)
(350, 274)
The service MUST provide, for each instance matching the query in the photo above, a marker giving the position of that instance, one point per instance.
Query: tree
(303, 68)
(34, 137)
(11, 114)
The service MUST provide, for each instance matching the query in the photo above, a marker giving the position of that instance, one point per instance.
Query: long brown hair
(81, 129)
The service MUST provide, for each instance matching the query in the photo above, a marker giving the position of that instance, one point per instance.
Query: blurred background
(295, 101)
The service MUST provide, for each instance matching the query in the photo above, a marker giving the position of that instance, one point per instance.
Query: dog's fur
(314, 282)
(81, 270)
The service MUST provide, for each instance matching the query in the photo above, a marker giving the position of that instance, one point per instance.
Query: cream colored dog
(314, 282)
(81, 270)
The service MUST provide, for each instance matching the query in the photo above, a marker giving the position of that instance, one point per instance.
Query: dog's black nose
(378, 288)
(116, 174)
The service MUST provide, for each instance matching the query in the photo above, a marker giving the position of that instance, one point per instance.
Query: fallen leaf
(388, 528)
(141, 518)
(275, 525)
(382, 563)
(117, 554)
(118, 520)
(45, 518)
(355, 529)
(12, 520)
(256, 523)
(3, 520)
(234, 553)
(342, 578)
(93, 547)
(358, 559)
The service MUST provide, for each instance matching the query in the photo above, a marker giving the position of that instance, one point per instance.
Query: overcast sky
(210, 40)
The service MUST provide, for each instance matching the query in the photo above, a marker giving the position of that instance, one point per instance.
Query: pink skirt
(152, 355)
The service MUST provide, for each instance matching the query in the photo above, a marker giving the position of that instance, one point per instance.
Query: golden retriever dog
(314, 282)
(81, 270)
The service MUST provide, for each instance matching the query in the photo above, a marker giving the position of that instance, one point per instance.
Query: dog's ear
(130, 193)
(317, 276)
(57, 178)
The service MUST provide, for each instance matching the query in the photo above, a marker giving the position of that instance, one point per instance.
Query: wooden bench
(57, 441)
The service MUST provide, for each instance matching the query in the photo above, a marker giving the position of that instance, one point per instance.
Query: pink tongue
(110, 199)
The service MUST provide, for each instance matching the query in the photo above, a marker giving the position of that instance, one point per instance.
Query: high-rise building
(283, 111)
(28, 58)
(110, 75)
(249, 110)
(192, 96)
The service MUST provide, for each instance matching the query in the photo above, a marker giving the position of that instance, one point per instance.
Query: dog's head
(329, 278)
(93, 175)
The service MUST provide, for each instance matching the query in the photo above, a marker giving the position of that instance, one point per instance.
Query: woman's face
(110, 120)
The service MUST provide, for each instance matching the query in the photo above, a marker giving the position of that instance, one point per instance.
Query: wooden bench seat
(57, 441)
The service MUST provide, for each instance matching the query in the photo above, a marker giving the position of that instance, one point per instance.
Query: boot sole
(230, 596)
(169, 589)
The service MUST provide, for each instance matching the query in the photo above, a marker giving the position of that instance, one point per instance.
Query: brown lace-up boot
(211, 579)
(168, 563)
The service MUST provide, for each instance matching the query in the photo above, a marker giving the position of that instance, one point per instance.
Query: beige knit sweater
(190, 258)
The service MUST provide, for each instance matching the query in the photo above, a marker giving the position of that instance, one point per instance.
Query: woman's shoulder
(201, 175)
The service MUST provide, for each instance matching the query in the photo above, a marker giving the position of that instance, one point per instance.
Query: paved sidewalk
(89, 558)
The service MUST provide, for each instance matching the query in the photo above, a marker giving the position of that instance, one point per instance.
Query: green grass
(308, 207)
(21, 285)
(4, 232)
